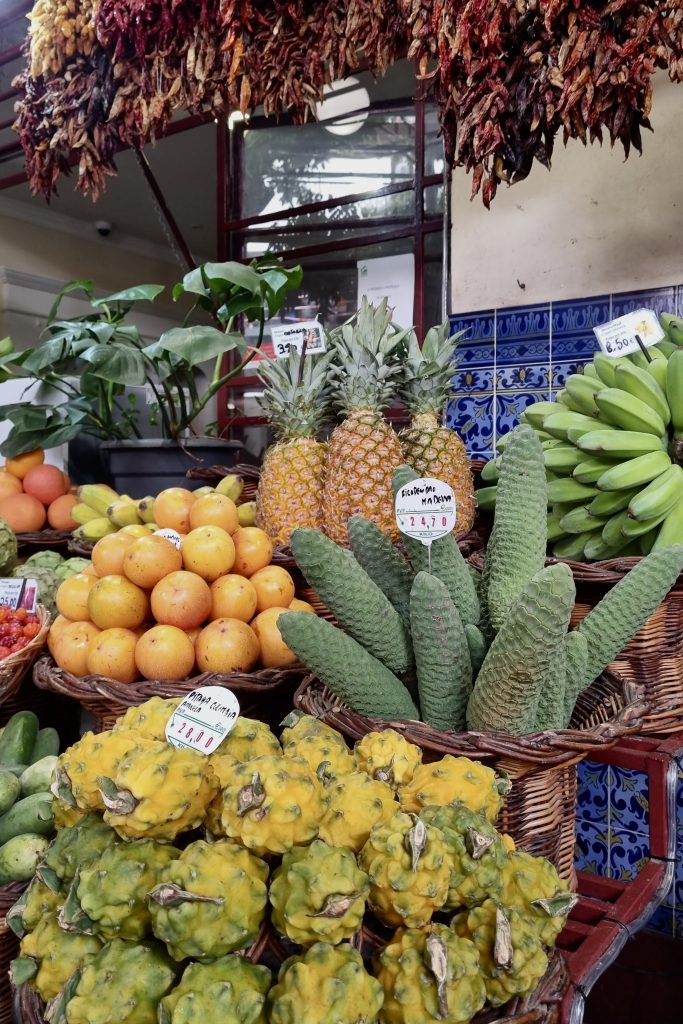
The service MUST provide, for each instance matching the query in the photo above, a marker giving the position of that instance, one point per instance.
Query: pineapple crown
(428, 371)
(297, 392)
(368, 350)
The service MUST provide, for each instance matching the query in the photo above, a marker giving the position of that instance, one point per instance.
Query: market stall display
(36, 500)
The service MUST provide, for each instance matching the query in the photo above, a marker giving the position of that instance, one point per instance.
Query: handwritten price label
(171, 535)
(19, 593)
(425, 509)
(288, 336)
(620, 337)
(203, 720)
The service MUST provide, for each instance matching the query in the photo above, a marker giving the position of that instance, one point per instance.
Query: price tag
(286, 336)
(172, 535)
(425, 509)
(19, 593)
(620, 337)
(203, 719)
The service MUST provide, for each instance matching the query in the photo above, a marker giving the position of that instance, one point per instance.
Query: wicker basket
(539, 812)
(266, 694)
(9, 947)
(654, 657)
(15, 667)
(213, 475)
(43, 540)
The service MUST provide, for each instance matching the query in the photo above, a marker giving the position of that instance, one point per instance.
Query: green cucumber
(47, 743)
(20, 856)
(10, 790)
(18, 739)
(38, 776)
(32, 814)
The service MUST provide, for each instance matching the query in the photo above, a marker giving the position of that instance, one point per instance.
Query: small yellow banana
(231, 486)
(246, 513)
(98, 496)
(95, 529)
(82, 513)
(145, 509)
(203, 491)
(123, 513)
(136, 530)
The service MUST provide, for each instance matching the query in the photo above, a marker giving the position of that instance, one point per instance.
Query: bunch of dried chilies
(508, 75)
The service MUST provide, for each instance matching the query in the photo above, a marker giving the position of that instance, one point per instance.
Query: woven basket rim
(610, 570)
(86, 689)
(15, 666)
(44, 537)
(9, 894)
(243, 469)
(549, 748)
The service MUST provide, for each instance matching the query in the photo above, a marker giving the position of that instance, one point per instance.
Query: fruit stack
(131, 908)
(305, 482)
(613, 449)
(33, 495)
(491, 654)
(149, 608)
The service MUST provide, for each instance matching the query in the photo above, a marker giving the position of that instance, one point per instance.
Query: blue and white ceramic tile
(678, 877)
(560, 372)
(468, 354)
(523, 322)
(478, 378)
(679, 299)
(579, 316)
(479, 326)
(662, 300)
(628, 852)
(663, 920)
(593, 788)
(678, 925)
(519, 351)
(630, 801)
(592, 848)
(578, 347)
(511, 405)
(525, 377)
(472, 416)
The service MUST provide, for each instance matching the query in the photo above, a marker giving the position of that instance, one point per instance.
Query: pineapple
(295, 402)
(430, 448)
(363, 450)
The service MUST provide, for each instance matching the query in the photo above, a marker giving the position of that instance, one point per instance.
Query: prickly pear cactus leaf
(626, 608)
(383, 562)
(516, 549)
(576, 651)
(346, 667)
(357, 603)
(521, 659)
(550, 713)
(442, 656)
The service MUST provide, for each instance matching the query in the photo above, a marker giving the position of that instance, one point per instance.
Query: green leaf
(223, 276)
(116, 363)
(195, 345)
(27, 416)
(84, 285)
(139, 293)
(278, 281)
(46, 355)
(193, 282)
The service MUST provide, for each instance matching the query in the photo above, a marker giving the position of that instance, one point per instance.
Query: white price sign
(425, 509)
(171, 535)
(203, 719)
(19, 593)
(288, 336)
(620, 337)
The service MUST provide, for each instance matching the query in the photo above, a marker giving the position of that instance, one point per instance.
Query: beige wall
(594, 224)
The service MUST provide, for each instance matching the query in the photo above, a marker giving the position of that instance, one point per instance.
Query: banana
(559, 423)
(486, 499)
(246, 513)
(671, 530)
(136, 530)
(643, 385)
(609, 502)
(95, 529)
(123, 513)
(569, 490)
(640, 359)
(579, 520)
(82, 513)
(565, 399)
(590, 371)
(583, 390)
(673, 326)
(231, 486)
(572, 547)
(606, 367)
(612, 534)
(657, 370)
(647, 541)
(562, 508)
(596, 549)
(660, 496)
(562, 459)
(624, 410)
(633, 528)
(502, 441)
(619, 444)
(146, 509)
(98, 496)
(666, 347)
(555, 531)
(674, 389)
(590, 469)
(634, 472)
(201, 492)
(491, 471)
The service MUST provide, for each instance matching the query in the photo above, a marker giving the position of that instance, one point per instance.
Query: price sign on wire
(425, 509)
(19, 593)
(286, 336)
(203, 719)
(629, 333)
(171, 535)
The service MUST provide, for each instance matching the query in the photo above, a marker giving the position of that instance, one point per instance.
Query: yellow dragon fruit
(327, 984)
(80, 766)
(356, 804)
(388, 757)
(148, 720)
(321, 747)
(532, 886)
(478, 855)
(231, 990)
(455, 780)
(48, 956)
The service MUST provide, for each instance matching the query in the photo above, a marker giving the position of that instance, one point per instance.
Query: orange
(59, 513)
(181, 599)
(274, 651)
(46, 483)
(149, 559)
(70, 647)
(108, 554)
(227, 645)
(23, 513)
(72, 596)
(192, 634)
(172, 509)
(112, 653)
(115, 601)
(208, 551)
(274, 587)
(90, 570)
(20, 464)
(253, 550)
(164, 652)
(56, 629)
(214, 510)
(9, 485)
(297, 605)
(233, 597)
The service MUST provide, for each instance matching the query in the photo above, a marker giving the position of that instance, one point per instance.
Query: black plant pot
(146, 467)
(87, 463)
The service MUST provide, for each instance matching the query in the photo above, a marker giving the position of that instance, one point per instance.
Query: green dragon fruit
(75, 847)
(328, 983)
(210, 901)
(48, 584)
(8, 549)
(477, 852)
(532, 886)
(318, 894)
(230, 990)
(48, 956)
(32, 906)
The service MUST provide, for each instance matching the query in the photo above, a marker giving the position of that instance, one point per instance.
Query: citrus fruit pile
(156, 608)
(33, 495)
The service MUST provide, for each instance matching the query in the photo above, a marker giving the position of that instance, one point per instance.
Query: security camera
(103, 228)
